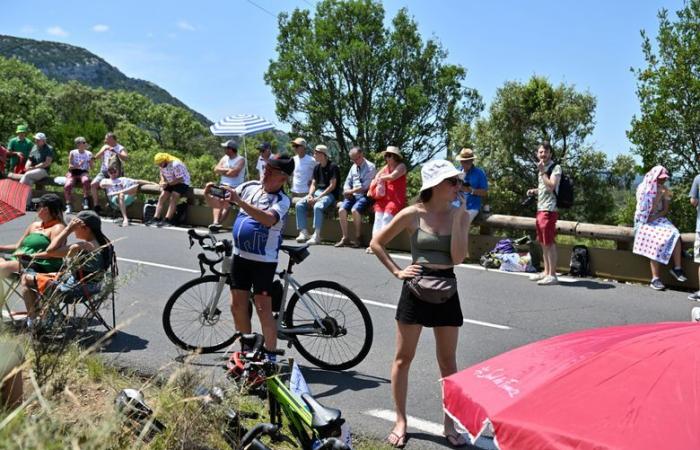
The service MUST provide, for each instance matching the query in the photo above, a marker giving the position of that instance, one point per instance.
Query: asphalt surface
(503, 311)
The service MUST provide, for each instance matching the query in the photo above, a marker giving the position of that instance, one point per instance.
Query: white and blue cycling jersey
(251, 239)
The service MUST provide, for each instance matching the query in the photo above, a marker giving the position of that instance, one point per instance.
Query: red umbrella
(13, 199)
(627, 387)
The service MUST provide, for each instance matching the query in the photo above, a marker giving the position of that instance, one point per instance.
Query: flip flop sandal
(396, 441)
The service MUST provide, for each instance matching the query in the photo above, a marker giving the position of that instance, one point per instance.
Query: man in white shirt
(231, 169)
(265, 151)
(303, 170)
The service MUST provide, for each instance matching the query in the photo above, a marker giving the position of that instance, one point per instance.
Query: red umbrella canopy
(13, 198)
(628, 387)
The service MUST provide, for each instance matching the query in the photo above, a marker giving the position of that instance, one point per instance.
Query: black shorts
(255, 274)
(180, 188)
(414, 311)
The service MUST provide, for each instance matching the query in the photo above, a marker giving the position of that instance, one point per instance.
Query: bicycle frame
(282, 400)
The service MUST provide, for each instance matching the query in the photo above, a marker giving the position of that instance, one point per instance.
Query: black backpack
(580, 265)
(565, 193)
(180, 214)
(149, 210)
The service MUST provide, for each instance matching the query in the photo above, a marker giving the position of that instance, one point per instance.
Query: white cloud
(57, 31)
(100, 28)
(27, 29)
(185, 25)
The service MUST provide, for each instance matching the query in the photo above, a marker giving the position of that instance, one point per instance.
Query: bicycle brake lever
(191, 240)
(201, 268)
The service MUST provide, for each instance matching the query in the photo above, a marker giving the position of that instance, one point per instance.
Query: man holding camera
(547, 215)
(475, 183)
(231, 167)
(257, 236)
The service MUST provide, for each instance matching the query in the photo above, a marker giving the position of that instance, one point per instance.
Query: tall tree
(668, 129)
(343, 75)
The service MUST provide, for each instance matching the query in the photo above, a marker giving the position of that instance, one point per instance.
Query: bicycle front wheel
(188, 321)
(347, 327)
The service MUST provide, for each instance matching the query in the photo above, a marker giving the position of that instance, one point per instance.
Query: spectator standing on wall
(547, 215)
(388, 190)
(303, 170)
(79, 165)
(265, 151)
(38, 163)
(324, 191)
(231, 168)
(475, 185)
(355, 196)
(109, 151)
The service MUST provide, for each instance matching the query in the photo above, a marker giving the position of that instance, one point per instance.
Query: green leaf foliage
(667, 131)
(341, 77)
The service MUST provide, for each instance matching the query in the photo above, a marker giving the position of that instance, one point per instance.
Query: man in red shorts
(549, 174)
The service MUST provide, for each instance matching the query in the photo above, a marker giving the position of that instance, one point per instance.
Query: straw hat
(466, 154)
(393, 150)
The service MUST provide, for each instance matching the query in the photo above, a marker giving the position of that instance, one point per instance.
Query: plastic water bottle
(456, 202)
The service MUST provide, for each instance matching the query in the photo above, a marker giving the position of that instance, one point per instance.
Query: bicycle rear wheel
(187, 322)
(348, 327)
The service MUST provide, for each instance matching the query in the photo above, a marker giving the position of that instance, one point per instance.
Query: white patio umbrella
(241, 125)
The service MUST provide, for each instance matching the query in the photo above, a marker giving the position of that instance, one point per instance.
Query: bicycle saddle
(322, 418)
(296, 253)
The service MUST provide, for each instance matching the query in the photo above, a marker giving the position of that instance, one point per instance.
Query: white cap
(433, 172)
(40, 136)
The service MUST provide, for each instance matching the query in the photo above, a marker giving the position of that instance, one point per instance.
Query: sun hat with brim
(321, 149)
(282, 162)
(466, 154)
(299, 141)
(21, 129)
(393, 150)
(434, 172)
(40, 137)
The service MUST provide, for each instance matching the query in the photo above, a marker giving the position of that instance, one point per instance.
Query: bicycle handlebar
(204, 260)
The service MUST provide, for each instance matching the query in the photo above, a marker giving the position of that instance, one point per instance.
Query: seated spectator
(231, 167)
(475, 185)
(355, 192)
(87, 259)
(4, 156)
(112, 154)
(265, 152)
(174, 183)
(79, 165)
(19, 148)
(303, 171)
(655, 237)
(121, 192)
(38, 163)
(35, 239)
(388, 190)
(323, 192)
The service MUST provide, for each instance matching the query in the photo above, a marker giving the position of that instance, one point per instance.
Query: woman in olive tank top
(439, 240)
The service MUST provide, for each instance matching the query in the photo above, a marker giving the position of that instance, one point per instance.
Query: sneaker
(548, 280)
(537, 276)
(343, 242)
(68, 210)
(657, 285)
(678, 275)
(313, 240)
(152, 221)
(695, 314)
(303, 236)
(695, 296)
(86, 204)
(214, 227)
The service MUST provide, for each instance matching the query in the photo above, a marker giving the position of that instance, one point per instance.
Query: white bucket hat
(433, 172)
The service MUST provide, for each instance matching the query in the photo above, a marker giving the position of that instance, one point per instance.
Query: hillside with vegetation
(64, 62)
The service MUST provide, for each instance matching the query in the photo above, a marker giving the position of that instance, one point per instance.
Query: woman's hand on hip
(409, 272)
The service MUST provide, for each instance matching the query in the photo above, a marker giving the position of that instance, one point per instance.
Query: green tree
(667, 131)
(343, 74)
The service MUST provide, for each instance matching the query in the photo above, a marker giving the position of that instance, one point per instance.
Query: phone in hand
(218, 191)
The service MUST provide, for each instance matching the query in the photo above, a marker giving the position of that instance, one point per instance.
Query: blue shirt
(360, 176)
(251, 239)
(476, 178)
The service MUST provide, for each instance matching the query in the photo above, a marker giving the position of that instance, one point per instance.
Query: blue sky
(212, 55)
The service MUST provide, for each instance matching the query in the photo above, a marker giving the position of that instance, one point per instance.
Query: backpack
(580, 265)
(565, 193)
(149, 210)
(180, 214)
(504, 246)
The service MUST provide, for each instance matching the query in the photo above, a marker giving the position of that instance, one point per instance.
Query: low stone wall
(619, 264)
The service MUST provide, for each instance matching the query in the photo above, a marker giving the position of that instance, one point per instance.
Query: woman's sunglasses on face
(453, 181)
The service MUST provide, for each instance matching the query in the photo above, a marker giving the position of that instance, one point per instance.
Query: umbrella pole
(245, 155)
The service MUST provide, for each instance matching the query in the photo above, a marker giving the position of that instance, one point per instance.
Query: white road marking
(414, 422)
(161, 266)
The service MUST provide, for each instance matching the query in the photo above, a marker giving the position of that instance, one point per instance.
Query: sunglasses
(453, 181)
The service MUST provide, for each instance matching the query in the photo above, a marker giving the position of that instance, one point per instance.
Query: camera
(218, 191)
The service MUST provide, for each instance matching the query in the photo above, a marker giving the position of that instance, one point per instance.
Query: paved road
(502, 311)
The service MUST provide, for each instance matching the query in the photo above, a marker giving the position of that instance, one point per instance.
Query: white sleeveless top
(238, 179)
